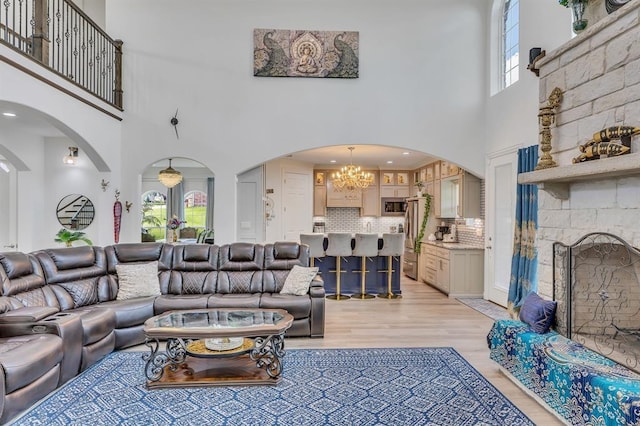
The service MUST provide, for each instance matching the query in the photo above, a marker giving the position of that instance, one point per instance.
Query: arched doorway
(191, 200)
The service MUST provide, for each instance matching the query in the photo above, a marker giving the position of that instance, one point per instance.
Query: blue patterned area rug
(416, 386)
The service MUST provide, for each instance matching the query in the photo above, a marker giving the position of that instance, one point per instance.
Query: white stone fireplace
(599, 74)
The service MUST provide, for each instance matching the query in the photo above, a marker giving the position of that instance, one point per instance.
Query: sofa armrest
(28, 314)
(316, 289)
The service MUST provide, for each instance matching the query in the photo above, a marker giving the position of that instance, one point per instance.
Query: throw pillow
(138, 280)
(538, 313)
(299, 280)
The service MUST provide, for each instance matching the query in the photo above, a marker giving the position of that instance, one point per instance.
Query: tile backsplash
(349, 220)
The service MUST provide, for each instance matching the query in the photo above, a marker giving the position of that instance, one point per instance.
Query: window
(154, 215)
(510, 42)
(195, 209)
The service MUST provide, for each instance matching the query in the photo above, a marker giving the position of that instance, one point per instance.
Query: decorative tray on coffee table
(219, 347)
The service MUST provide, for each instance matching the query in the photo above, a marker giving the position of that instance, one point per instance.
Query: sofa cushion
(26, 358)
(137, 280)
(297, 306)
(97, 323)
(538, 313)
(172, 302)
(132, 312)
(299, 280)
(234, 300)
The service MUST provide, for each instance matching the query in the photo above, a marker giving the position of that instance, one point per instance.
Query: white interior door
(8, 208)
(297, 208)
(501, 184)
(250, 206)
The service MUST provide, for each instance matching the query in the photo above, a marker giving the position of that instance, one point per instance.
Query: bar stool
(339, 246)
(366, 246)
(392, 246)
(316, 246)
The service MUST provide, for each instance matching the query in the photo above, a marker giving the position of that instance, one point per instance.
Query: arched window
(510, 42)
(154, 216)
(195, 209)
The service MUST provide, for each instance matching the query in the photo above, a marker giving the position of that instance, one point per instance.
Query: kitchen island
(350, 281)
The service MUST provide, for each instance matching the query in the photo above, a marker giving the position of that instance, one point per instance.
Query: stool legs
(338, 271)
(389, 294)
(363, 276)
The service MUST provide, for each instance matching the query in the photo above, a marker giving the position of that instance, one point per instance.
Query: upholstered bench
(580, 385)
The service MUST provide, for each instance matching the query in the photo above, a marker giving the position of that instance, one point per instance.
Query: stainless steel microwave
(393, 206)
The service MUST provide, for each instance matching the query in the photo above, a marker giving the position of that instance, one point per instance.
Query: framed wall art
(303, 53)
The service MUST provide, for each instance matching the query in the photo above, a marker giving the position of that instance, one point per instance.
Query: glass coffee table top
(218, 322)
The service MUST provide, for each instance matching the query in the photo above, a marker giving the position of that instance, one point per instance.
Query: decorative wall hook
(104, 184)
(117, 194)
(127, 205)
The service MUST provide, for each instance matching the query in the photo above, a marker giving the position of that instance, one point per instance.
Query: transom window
(510, 42)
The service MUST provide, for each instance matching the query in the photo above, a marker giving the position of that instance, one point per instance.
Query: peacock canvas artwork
(302, 53)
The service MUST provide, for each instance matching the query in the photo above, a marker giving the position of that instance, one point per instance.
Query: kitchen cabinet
(320, 200)
(394, 184)
(394, 191)
(459, 196)
(343, 198)
(319, 193)
(455, 272)
(448, 169)
(371, 198)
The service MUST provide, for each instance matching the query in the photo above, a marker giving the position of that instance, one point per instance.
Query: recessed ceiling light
(333, 161)
(406, 153)
(390, 162)
(8, 114)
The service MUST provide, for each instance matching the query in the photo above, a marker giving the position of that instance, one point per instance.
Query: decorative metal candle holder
(547, 117)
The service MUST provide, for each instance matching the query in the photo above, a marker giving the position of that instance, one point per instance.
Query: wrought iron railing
(62, 37)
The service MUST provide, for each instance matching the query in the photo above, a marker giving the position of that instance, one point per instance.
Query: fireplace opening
(596, 285)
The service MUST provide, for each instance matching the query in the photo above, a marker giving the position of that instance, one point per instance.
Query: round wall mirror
(75, 212)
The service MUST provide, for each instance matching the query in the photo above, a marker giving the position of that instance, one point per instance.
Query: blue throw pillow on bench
(538, 313)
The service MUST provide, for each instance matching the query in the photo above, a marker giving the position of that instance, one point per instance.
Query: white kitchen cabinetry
(459, 196)
(455, 272)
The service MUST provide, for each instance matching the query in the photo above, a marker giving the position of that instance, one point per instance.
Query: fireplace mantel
(556, 180)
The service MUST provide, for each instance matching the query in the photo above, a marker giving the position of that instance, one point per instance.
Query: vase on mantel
(577, 9)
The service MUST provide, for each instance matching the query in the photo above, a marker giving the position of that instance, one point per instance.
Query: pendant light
(169, 177)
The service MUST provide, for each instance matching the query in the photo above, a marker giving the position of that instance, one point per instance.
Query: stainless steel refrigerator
(412, 222)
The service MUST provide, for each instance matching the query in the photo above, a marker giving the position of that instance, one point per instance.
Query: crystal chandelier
(169, 177)
(351, 178)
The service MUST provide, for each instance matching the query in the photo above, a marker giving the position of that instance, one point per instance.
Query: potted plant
(69, 237)
(577, 8)
(419, 184)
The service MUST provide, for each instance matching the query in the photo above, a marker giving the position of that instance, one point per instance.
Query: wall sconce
(535, 54)
(72, 158)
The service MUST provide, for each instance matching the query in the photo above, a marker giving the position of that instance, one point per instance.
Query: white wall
(512, 114)
(421, 85)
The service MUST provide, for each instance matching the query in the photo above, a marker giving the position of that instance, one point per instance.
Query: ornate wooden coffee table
(208, 347)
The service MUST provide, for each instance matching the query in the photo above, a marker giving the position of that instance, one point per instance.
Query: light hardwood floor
(424, 317)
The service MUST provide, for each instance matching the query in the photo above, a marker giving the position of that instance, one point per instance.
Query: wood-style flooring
(424, 317)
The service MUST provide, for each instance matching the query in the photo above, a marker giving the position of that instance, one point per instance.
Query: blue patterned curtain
(524, 262)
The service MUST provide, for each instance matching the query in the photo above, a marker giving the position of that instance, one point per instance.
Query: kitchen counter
(454, 246)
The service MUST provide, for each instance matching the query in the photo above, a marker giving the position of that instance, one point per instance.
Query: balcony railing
(63, 38)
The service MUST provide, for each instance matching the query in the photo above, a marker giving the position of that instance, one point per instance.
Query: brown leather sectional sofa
(59, 313)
